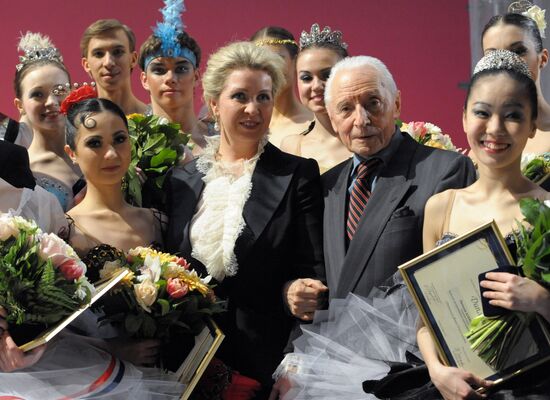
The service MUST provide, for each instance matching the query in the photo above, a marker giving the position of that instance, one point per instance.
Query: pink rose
(182, 262)
(72, 269)
(176, 288)
(54, 248)
(419, 129)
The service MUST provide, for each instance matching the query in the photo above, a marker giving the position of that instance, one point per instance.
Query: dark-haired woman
(520, 34)
(98, 141)
(40, 85)
(171, 81)
(318, 54)
(499, 118)
(289, 115)
(76, 365)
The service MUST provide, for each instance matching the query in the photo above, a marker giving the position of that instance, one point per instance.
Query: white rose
(173, 270)
(8, 228)
(537, 14)
(146, 294)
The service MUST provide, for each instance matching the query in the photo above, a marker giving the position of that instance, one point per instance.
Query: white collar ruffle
(219, 220)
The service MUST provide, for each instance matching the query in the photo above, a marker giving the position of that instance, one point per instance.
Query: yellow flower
(194, 282)
(435, 143)
(134, 115)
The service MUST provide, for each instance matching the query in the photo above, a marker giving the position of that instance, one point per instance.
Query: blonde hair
(104, 27)
(240, 55)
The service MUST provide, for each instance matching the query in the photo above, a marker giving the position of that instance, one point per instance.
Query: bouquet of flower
(162, 294)
(42, 280)
(536, 167)
(492, 338)
(157, 145)
(428, 134)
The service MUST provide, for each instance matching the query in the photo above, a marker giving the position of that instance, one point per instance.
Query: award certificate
(444, 284)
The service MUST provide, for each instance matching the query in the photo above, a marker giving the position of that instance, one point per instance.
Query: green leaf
(163, 157)
(164, 306)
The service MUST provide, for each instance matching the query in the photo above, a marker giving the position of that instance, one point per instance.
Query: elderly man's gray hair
(358, 62)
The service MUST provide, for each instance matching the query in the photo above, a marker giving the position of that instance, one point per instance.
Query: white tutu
(349, 343)
(73, 369)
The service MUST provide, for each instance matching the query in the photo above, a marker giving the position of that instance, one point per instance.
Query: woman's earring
(216, 125)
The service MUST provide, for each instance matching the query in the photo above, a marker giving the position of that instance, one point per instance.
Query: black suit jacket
(14, 165)
(282, 240)
(390, 230)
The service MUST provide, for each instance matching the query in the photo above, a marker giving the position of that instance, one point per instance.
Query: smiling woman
(251, 214)
(41, 83)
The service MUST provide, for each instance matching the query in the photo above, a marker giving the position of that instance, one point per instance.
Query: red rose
(182, 262)
(176, 288)
(82, 93)
(71, 269)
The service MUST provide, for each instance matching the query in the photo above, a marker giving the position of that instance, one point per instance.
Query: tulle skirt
(73, 369)
(349, 343)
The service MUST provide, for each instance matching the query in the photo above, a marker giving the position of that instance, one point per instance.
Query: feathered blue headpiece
(168, 31)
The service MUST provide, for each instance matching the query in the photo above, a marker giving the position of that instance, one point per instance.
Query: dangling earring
(216, 125)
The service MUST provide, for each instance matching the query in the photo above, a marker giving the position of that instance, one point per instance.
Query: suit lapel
(269, 185)
(391, 187)
(187, 189)
(335, 224)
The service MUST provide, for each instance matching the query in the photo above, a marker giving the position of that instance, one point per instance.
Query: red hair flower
(84, 92)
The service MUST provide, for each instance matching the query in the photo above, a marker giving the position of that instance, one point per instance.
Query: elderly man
(109, 56)
(374, 202)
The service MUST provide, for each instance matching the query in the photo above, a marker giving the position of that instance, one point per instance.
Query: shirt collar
(385, 155)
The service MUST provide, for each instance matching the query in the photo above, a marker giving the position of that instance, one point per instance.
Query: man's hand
(304, 296)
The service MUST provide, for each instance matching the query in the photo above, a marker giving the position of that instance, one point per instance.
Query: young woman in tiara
(500, 117)
(521, 31)
(101, 225)
(169, 60)
(41, 83)
(289, 115)
(319, 51)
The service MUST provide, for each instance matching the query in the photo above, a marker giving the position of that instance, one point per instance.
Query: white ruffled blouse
(218, 220)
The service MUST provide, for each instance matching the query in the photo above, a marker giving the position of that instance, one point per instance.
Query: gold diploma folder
(206, 344)
(49, 334)
(445, 287)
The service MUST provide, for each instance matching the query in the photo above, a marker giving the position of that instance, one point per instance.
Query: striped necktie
(360, 195)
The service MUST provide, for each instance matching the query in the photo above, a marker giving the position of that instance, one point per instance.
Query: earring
(216, 125)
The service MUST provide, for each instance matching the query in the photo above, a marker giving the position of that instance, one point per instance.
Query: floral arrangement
(536, 167)
(428, 134)
(492, 337)
(162, 294)
(157, 145)
(42, 280)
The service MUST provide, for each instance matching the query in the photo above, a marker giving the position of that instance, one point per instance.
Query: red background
(424, 43)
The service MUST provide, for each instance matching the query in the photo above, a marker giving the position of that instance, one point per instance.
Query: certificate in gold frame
(444, 285)
(206, 344)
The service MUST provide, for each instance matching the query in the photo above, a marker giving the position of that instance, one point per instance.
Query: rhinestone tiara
(502, 59)
(37, 47)
(317, 36)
